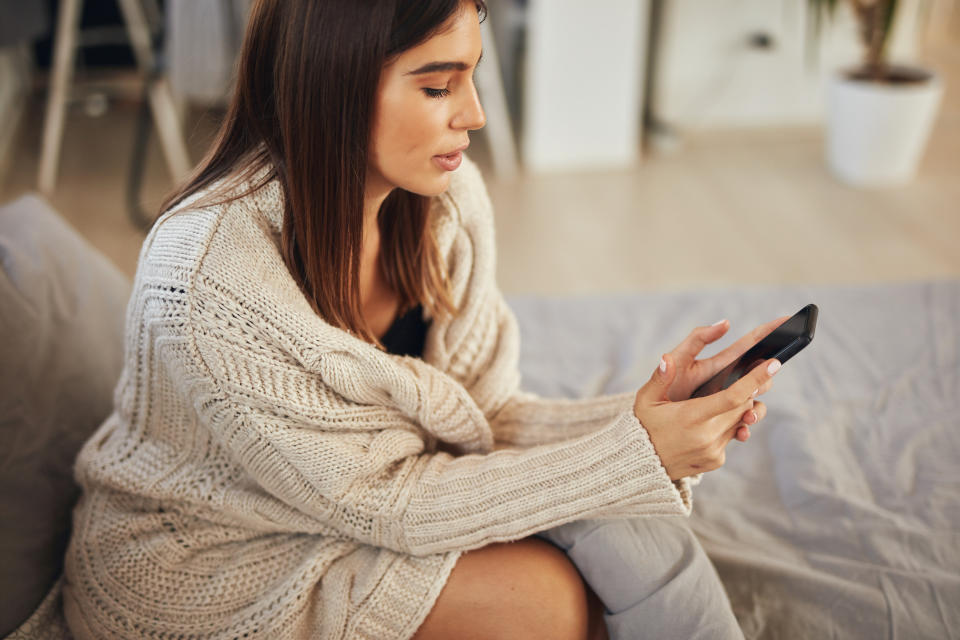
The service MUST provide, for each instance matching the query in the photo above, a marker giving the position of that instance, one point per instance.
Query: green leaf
(888, 24)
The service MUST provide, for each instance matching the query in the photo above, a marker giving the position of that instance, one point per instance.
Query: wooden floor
(730, 209)
(726, 209)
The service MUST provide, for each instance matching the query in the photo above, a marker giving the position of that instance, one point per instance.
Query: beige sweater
(265, 474)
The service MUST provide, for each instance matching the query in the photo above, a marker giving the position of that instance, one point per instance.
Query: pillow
(61, 349)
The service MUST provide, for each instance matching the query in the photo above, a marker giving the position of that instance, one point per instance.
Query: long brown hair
(302, 110)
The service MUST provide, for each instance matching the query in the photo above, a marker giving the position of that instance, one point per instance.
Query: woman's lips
(449, 162)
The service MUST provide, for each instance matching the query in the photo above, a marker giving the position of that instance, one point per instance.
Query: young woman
(319, 432)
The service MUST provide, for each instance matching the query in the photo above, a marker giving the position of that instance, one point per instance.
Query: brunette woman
(319, 432)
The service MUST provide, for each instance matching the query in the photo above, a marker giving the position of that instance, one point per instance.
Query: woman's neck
(379, 304)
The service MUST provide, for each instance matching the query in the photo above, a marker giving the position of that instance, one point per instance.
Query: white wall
(707, 74)
(583, 83)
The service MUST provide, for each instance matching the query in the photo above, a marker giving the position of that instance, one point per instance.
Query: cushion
(61, 317)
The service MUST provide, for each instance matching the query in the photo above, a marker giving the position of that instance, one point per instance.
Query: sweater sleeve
(528, 419)
(373, 478)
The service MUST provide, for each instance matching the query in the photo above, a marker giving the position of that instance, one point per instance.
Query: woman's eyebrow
(434, 67)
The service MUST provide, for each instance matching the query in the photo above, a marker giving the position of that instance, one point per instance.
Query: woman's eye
(436, 93)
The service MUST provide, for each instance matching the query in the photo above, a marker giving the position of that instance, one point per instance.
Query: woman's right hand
(691, 436)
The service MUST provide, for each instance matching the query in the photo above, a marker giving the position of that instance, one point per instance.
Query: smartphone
(783, 343)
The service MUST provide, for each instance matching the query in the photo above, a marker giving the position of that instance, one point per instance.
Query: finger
(748, 386)
(741, 431)
(700, 337)
(751, 417)
(730, 434)
(715, 363)
(725, 424)
(736, 395)
(764, 388)
(760, 409)
(659, 384)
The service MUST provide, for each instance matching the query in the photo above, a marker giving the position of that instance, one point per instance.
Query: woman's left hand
(691, 373)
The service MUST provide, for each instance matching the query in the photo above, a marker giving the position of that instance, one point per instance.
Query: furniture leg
(65, 48)
(160, 94)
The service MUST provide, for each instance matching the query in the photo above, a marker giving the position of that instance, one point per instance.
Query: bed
(840, 517)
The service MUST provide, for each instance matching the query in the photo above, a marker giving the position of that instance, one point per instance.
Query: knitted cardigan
(265, 474)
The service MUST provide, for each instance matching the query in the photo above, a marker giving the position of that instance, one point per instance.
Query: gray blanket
(840, 517)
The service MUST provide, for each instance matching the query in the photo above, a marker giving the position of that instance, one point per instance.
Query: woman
(318, 432)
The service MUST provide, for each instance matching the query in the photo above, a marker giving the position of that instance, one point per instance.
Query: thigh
(522, 589)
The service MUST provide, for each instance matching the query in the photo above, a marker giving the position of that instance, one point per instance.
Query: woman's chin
(432, 187)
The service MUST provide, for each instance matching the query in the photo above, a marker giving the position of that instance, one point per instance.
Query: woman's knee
(527, 589)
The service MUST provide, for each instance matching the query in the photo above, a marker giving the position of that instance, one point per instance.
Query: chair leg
(162, 103)
(65, 48)
(167, 120)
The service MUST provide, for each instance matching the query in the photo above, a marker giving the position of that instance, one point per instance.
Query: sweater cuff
(465, 502)
(683, 486)
(636, 470)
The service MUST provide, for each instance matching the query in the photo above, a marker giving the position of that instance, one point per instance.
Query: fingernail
(774, 367)
(716, 323)
(755, 392)
(663, 365)
(755, 417)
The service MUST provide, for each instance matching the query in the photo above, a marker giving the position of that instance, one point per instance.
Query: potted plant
(879, 115)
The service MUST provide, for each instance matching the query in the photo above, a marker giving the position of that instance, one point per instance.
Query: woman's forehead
(459, 42)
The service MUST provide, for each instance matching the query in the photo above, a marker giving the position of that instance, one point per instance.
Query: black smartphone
(783, 343)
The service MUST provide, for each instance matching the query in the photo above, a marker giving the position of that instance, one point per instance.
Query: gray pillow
(61, 348)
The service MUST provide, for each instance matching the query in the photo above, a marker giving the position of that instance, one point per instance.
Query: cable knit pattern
(265, 474)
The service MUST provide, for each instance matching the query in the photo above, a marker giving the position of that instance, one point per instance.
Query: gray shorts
(652, 575)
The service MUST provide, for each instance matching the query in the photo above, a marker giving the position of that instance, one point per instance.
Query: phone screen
(783, 343)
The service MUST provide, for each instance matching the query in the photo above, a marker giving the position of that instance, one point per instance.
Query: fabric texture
(652, 576)
(266, 473)
(840, 517)
(61, 322)
(407, 336)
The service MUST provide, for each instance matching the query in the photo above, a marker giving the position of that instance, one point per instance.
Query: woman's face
(426, 105)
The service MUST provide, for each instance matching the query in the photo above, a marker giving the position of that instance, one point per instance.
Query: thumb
(659, 384)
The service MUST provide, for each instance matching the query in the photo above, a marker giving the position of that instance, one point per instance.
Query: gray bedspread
(840, 517)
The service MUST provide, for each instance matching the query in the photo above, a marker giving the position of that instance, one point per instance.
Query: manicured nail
(774, 367)
(663, 365)
(716, 323)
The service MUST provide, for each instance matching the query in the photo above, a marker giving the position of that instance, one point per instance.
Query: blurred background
(630, 145)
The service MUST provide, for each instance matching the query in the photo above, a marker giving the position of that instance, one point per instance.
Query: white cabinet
(583, 85)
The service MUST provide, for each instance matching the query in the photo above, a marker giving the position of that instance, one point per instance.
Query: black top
(408, 333)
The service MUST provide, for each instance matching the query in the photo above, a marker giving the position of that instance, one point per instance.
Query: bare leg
(525, 589)
(596, 626)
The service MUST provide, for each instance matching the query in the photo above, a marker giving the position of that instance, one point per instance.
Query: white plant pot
(877, 131)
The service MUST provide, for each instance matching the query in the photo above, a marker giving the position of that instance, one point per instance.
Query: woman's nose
(471, 115)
